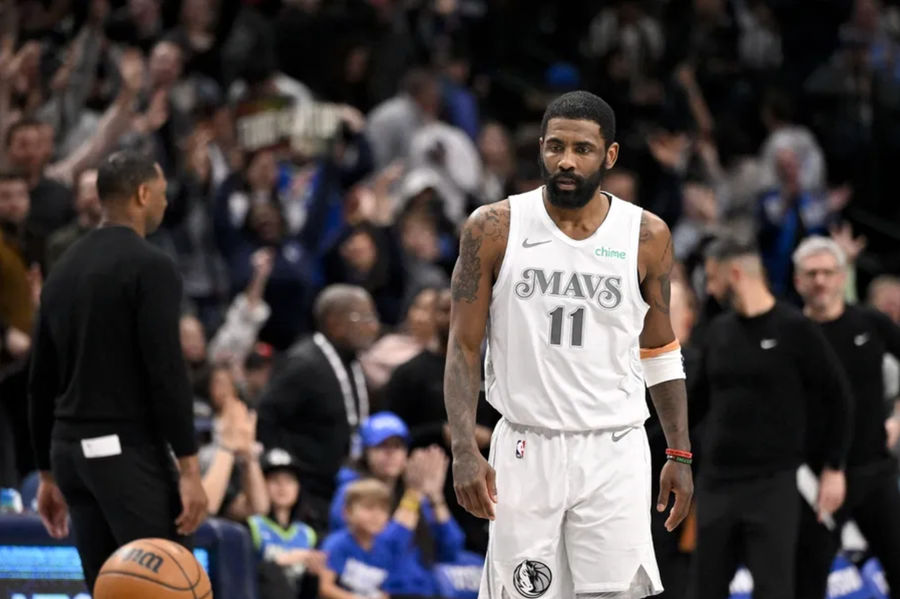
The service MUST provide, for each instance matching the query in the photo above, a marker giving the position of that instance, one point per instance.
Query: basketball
(152, 569)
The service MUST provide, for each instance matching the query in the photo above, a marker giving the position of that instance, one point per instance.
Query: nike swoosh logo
(618, 435)
(768, 343)
(525, 243)
(861, 339)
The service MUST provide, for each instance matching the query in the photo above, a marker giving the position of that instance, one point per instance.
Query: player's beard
(571, 198)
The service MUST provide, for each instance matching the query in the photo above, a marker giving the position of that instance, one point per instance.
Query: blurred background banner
(265, 123)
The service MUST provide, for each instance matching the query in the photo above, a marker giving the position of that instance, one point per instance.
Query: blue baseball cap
(380, 427)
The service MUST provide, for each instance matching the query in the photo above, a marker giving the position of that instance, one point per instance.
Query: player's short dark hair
(26, 123)
(724, 248)
(7, 175)
(120, 175)
(582, 105)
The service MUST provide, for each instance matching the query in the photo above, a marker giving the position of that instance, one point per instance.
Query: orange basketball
(152, 569)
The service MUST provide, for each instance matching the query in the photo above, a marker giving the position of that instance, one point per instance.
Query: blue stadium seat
(873, 576)
(460, 579)
(845, 582)
(741, 585)
(29, 553)
(28, 490)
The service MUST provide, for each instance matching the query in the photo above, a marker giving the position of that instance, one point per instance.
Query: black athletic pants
(753, 522)
(873, 502)
(117, 499)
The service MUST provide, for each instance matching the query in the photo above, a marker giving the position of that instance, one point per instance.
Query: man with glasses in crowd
(860, 336)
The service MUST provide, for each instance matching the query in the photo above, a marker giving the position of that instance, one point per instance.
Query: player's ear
(612, 155)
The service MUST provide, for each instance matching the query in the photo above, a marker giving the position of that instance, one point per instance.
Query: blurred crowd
(770, 120)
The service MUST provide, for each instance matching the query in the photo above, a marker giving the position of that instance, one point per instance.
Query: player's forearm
(670, 400)
(462, 381)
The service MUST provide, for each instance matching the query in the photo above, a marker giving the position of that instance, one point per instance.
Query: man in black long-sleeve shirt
(765, 370)
(108, 388)
(860, 337)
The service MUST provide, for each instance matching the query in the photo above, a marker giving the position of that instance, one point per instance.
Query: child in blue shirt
(373, 556)
(385, 439)
(279, 538)
(362, 556)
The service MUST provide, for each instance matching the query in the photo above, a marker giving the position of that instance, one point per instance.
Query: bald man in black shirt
(860, 337)
(766, 370)
(109, 397)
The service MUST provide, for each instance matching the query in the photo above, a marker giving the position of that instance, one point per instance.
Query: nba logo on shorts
(520, 448)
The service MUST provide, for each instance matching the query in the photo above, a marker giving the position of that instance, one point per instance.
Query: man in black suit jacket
(316, 401)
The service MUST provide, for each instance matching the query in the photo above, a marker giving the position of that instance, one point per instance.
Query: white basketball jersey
(565, 317)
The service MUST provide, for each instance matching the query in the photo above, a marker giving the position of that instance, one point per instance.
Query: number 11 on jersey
(556, 326)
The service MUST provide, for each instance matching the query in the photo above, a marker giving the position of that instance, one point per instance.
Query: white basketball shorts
(573, 515)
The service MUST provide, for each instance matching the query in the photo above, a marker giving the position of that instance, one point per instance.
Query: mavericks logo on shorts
(532, 578)
(520, 448)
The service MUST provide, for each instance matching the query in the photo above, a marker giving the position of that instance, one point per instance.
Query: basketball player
(575, 283)
(108, 388)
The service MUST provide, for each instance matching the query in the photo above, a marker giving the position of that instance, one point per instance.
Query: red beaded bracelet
(678, 453)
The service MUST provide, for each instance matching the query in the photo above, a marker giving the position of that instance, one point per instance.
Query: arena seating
(35, 566)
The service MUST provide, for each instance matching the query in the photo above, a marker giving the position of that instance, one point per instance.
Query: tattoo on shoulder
(464, 283)
(662, 298)
(645, 234)
(491, 223)
(494, 221)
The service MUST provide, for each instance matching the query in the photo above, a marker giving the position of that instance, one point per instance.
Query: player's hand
(675, 478)
(193, 502)
(52, 508)
(832, 488)
(475, 483)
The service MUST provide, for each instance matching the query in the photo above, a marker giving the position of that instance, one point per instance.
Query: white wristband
(667, 366)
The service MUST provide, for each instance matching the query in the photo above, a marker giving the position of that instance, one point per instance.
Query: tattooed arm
(482, 246)
(669, 397)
